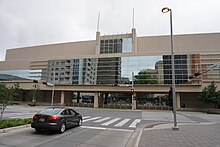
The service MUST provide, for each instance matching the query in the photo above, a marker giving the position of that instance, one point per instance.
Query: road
(99, 118)
(100, 127)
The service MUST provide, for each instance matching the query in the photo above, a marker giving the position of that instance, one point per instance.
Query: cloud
(31, 22)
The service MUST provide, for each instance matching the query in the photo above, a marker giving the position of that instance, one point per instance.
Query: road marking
(94, 118)
(110, 122)
(85, 117)
(103, 119)
(134, 123)
(120, 124)
(102, 128)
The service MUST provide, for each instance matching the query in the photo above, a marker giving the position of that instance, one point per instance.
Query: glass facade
(16, 75)
(118, 70)
(122, 45)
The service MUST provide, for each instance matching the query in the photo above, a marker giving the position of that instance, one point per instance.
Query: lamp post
(52, 98)
(133, 97)
(166, 10)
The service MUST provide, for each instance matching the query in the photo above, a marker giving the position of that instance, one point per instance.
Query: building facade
(95, 66)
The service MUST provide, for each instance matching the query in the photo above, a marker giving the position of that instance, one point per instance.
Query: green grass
(14, 122)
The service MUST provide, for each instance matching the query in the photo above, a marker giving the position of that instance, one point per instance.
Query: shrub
(14, 122)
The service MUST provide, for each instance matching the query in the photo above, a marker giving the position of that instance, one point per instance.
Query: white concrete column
(97, 42)
(134, 41)
(134, 101)
(62, 97)
(96, 100)
(178, 100)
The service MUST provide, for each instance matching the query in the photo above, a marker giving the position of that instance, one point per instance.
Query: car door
(74, 117)
(66, 115)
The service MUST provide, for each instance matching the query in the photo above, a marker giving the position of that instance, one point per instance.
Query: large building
(106, 68)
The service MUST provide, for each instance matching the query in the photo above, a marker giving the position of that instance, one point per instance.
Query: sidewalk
(189, 135)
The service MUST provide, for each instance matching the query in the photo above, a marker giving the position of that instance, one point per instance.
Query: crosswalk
(116, 122)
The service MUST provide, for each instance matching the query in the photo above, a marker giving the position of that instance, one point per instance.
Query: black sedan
(56, 118)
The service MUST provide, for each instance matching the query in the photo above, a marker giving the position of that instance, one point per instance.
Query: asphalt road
(99, 118)
(100, 127)
(79, 136)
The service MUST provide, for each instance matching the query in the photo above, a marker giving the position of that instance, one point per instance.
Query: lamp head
(165, 9)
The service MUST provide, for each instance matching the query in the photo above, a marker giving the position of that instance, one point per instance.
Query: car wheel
(38, 130)
(62, 128)
(79, 122)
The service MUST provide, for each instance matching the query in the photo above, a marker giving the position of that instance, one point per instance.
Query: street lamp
(133, 99)
(166, 10)
(52, 98)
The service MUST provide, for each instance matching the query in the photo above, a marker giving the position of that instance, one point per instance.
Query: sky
(38, 22)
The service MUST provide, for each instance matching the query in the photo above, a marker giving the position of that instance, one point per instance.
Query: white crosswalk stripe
(110, 122)
(94, 118)
(134, 123)
(85, 117)
(103, 119)
(122, 123)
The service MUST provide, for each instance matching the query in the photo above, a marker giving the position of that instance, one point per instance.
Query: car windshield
(50, 111)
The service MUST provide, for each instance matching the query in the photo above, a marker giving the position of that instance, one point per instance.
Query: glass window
(65, 112)
(72, 112)
(10, 75)
(146, 69)
(116, 46)
(127, 45)
(50, 111)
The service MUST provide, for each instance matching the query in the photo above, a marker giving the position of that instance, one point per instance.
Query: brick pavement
(190, 135)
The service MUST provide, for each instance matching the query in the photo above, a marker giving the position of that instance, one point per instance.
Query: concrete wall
(53, 51)
(183, 44)
(22, 58)
(191, 100)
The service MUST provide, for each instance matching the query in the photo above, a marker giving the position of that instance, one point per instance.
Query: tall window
(121, 45)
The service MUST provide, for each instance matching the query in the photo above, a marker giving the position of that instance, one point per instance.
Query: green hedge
(14, 122)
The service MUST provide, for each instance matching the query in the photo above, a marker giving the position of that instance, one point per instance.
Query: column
(97, 42)
(78, 97)
(178, 100)
(101, 97)
(96, 100)
(134, 101)
(62, 97)
(134, 41)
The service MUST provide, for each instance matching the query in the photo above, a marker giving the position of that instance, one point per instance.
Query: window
(65, 112)
(72, 112)
(50, 111)
(122, 45)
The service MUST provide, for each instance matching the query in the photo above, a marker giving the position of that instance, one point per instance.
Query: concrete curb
(6, 130)
(170, 125)
(136, 135)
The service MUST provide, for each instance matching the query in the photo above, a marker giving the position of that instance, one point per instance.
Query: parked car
(56, 118)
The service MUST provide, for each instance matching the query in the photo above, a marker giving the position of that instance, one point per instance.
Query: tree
(17, 91)
(6, 97)
(210, 95)
(35, 92)
(145, 77)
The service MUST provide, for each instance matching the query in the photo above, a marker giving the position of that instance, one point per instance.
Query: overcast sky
(37, 22)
